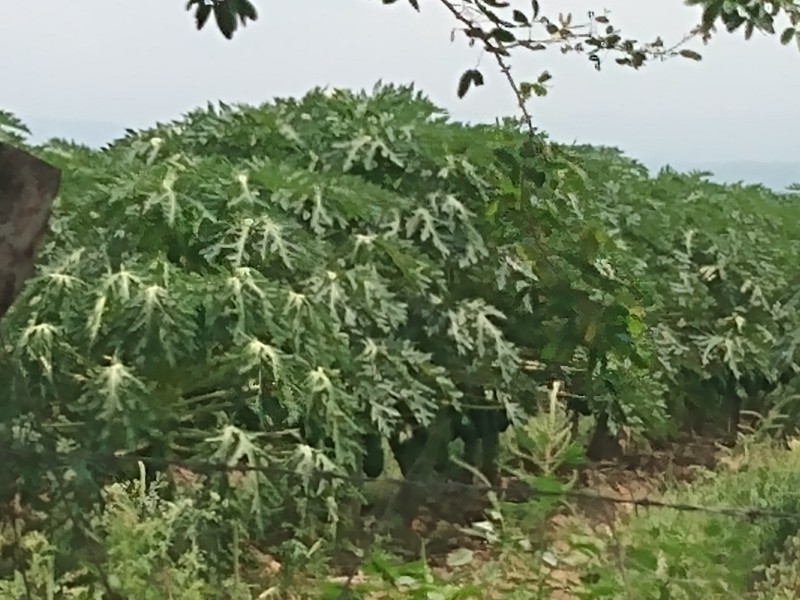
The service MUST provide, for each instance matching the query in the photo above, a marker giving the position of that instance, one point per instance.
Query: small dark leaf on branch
(414, 4)
(226, 19)
(711, 13)
(601, 19)
(496, 3)
(691, 54)
(733, 22)
(468, 79)
(246, 10)
(535, 7)
(226, 13)
(503, 35)
(787, 35)
(498, 50)
(201, 14)
(520, 17)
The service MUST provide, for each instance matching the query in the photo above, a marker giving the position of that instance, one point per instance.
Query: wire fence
(66, 460)
(16, 460)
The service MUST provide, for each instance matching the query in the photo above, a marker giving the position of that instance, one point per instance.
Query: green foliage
(781, 579)
(719, 264)
(314, 265)
(12, 130)
(151, 549)
(753, 16)
(297, 285)
(347, 265)
(680, 554)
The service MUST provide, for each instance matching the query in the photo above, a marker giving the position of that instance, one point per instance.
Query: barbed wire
(198, 466)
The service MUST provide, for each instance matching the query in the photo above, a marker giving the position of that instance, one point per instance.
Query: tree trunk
(27, 189)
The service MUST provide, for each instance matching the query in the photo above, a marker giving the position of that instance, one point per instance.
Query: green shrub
(144, 547)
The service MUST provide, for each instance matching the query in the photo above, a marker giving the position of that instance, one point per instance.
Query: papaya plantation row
(333, 281)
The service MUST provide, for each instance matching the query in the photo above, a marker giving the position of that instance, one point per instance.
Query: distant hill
(775, 175)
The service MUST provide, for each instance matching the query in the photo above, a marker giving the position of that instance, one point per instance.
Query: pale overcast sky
(90, 68)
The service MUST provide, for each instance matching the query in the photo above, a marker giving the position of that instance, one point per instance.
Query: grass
(542, 548)
(594, 552)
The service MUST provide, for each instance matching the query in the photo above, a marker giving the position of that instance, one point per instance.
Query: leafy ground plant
(706, 554)
(145, 547)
